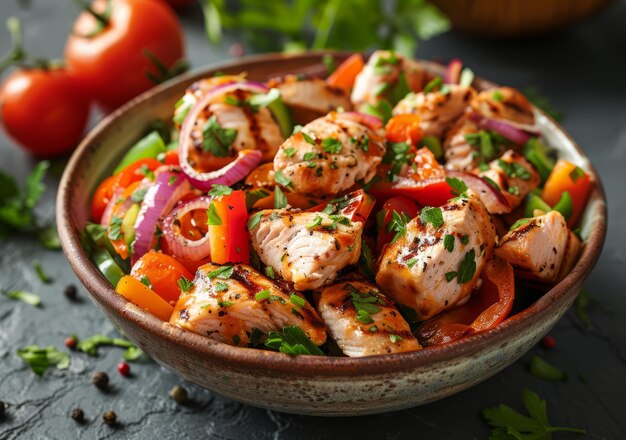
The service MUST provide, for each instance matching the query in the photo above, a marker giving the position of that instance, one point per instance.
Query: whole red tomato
(111, 63)
(43, 110)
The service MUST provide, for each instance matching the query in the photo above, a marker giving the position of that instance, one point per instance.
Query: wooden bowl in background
(516, 18)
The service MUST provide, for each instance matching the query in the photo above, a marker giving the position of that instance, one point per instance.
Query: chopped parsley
(269, 272)
(115, 228)
(255, 336)
(491, 182)
(223, 272)
(289, 151)
(513, 169)
(292, 340)
(213, 217)
(254, 196)
(576, 174)
(217, 140)
(412, 262)
(145, 281)
(220, 190)
(435, 83)
(459, 188)
(485, 141)
(138, 195)
(317, 221)
(398, 155)
(184, 284)
(467, 268)
(364, 303)
(147, 172)
(366, 260)
(308, 138)
(395, 338)
(497, 95)
(281, 179)
(297, 300)
(398, 224)
(39, 359)
(224, 304)
(221, 287)
(280, 200)
(464, 239)
(431, 215)
(364, 317)
(90, 345)
(309, 155)
(254, 221)
(451, 275)
(448, 242)
(263, 294)
(40, 273)
(331, 145)
(543, 370)
(513, 190)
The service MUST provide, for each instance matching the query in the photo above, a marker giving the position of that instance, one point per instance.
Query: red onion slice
(245, 162)
(191, 251)
(513, 131)
(369, 121)
(491, 197)
(160, 198)
(453, 72)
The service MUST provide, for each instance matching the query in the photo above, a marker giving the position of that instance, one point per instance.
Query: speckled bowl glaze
(324, 386)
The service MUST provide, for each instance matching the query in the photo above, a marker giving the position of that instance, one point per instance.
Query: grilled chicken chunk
(330, 154)
(460, 154)
(212, 138)
(429, 272)
(437, 110)
(310, 98)
(229, 307)
(504, 103)
(536, 249)
(363, 321)
(307, 248)
(515, 176)
(383, 74)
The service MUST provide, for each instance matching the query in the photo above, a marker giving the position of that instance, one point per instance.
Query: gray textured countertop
(582, 71)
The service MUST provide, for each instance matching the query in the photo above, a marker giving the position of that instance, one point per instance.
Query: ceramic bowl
(325, 386)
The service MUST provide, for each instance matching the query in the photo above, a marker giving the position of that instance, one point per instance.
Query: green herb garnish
(184, 284)
(263, 294)
(297, 300)
(39, 359)
(217, 140)
(220, 190)
(25, 297)
(292, 340)
(254, 221)
(467, 268)
(431, 215)
(281, 179)
(40, 273)
(448, 242)
(543, 370)
(213, 217)
(280, 200)
(513, 170)
(331, 145)
(115, 228)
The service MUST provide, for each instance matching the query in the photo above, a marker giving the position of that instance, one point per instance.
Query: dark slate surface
(582, 70)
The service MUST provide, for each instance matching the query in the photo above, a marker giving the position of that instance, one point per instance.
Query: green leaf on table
(48, 237)
(91, 344)
(24, 296)
(544, 370)
(39, 359)
(511, 424)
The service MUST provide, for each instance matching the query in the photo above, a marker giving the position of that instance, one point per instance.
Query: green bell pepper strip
(149, 146)
(128, 224)
(95, 237)
(434, 145)
(565, 205)
(537, 153)
(535, 202)
(107, 266)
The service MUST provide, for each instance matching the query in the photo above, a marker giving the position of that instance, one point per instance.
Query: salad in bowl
(379, 210)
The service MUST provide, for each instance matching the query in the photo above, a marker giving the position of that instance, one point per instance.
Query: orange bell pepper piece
(345, 74)
(142, 296)
(566, 176)
(404, 128)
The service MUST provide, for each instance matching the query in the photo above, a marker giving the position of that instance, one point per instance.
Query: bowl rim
(275, 363)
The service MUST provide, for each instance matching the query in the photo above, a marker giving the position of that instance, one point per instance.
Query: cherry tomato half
(43, 110)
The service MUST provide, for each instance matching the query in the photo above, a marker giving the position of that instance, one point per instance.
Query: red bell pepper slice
(229, 240)
(356, 205)
(427, 192)
(486, 308)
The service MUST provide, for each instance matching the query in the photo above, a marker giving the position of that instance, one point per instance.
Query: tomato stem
(103, 18)
(164, 72)
(16, 54)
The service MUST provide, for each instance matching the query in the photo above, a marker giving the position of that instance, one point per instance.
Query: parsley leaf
(332, 145)
(184, 284)
(115, 228)
(254, 221)
(366, 261)
(281, 179)
(217, 140)
(431, 215)
(506, 420)
(448, 242)
(451, 275)
(513, 169)
(223, 272)
(398, 225)
(289, 152)
(39, 359)
(467, 268)
(213, 217)
(138, 195)
(292, 340)
(263, 294)
(459, 188)
(220, 190)
(280, 200)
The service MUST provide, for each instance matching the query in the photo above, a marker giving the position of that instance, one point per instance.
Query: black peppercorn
(179, 394)
(110, 418)
(71, 292)
(78, 415)
(100, 379)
